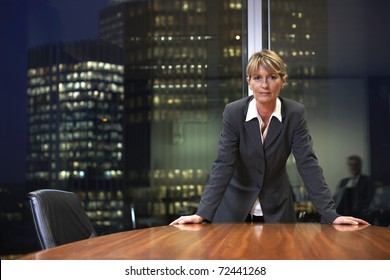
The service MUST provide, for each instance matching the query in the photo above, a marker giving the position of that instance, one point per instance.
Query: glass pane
(183, 64)
(119, 101)
(338, 65)
(133, 116)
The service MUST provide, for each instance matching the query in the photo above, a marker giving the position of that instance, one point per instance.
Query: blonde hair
(270, 60)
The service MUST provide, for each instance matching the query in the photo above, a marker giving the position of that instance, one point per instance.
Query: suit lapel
(253, 131)
(274, 129)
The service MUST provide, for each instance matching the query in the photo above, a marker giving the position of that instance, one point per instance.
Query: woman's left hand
(349, 220)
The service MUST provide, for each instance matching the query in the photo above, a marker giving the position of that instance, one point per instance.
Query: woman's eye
(272, 78)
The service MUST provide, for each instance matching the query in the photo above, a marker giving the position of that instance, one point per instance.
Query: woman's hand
(192, 219)
(348, 220)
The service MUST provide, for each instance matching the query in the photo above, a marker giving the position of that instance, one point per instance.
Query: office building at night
(183, 63)
(75, 137)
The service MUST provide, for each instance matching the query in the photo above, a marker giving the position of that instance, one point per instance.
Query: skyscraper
(183, 63)
(75, 112)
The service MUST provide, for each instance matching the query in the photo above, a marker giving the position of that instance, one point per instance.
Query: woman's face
(265, 86)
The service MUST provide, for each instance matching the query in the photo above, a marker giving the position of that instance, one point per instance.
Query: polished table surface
(302, 241)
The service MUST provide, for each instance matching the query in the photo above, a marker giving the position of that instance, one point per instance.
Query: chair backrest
(381, 199)
(59, 217)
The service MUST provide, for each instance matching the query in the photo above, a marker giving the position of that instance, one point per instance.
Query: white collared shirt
(251, 114)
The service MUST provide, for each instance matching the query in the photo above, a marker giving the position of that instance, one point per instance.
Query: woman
(249, 181)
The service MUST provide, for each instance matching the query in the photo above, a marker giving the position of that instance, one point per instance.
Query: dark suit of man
(246, 169)
(353, 198)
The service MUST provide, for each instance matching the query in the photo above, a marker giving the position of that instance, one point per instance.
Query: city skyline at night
(26, 24)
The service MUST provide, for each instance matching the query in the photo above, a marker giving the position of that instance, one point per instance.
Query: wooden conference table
(300, 241)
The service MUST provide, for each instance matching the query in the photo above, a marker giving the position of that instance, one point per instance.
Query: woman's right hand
(192, 219)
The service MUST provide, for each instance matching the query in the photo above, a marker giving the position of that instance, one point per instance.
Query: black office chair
(380, 206)
(59, 217)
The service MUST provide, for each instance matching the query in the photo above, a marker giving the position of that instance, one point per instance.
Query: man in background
(354, 193)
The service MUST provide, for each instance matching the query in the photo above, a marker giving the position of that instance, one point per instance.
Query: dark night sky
(26, 23)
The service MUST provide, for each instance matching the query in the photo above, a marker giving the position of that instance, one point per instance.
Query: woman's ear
(283, 81)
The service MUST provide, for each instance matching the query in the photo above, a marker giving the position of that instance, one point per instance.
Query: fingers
(193, 219)
(180, 221)
(347, 220)
(360, 221)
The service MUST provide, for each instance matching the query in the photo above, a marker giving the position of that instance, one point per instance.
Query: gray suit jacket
(246, 169)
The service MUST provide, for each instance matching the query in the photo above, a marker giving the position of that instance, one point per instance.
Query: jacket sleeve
(222, 169)
(310, 171)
